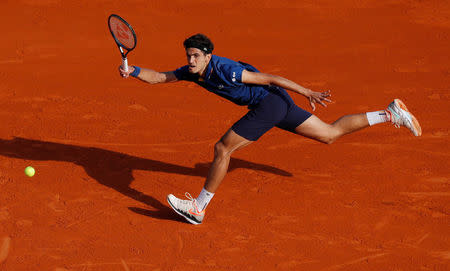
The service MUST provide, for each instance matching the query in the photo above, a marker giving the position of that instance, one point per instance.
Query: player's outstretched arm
(269, 79)
(149, 76)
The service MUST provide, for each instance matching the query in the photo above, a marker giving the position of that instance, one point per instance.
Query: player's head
(198, 52)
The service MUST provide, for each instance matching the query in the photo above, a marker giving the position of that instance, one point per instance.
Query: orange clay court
(107, 150)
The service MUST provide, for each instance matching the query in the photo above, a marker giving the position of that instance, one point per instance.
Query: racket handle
(125, 64)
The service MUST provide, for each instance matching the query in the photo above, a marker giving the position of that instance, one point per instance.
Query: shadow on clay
(114, 169)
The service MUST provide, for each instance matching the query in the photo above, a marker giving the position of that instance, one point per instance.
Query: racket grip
(125, 64)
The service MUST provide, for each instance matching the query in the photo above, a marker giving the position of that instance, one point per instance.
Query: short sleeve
(233, 73)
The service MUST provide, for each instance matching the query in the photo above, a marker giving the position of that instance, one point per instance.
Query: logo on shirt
(220, 86)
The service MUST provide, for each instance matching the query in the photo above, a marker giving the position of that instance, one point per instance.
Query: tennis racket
(123, 35)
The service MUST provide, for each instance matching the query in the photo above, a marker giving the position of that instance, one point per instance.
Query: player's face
(197, 60)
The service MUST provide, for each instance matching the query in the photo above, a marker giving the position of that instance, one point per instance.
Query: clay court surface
(108, 150)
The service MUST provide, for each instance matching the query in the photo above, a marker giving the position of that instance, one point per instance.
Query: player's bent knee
(328, 139)
(331, 135)
(332, 138)
(220, 150)
(324, 140)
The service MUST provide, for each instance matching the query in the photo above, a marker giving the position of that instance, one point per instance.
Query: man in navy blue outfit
(269, 106)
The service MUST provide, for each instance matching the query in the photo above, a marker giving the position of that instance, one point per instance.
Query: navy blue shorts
(276, 109)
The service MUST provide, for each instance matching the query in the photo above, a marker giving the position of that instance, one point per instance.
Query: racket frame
(119, 44)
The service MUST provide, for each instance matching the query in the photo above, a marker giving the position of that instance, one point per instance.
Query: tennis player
(269, 106)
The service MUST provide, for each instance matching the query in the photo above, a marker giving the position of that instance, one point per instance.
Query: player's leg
(223, 149)
(316, 129)
(192, 209)
(248, 129)
(396, 113)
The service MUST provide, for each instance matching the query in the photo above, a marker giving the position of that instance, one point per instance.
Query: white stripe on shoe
(400, 116)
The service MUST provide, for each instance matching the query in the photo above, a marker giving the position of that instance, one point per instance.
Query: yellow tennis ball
(29, 171)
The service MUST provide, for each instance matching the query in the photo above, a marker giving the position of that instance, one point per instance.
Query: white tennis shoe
(399, 115)
(186, 208)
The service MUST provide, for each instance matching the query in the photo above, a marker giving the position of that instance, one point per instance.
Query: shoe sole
(180, 213)
(415, 123)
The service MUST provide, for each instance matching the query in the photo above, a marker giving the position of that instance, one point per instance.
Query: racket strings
(122, 33)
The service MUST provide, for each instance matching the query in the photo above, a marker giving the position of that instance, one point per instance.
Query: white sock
(203, 199)
(377, 117)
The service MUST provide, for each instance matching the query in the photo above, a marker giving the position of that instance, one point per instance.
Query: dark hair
(200, 42)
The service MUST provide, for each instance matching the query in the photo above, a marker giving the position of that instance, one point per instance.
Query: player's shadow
(114, 169)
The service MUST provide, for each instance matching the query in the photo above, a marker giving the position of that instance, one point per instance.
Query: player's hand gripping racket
(124, 36)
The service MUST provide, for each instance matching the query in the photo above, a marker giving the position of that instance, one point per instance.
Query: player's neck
(203, 72)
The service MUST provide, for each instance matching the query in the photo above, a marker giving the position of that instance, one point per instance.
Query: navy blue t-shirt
(224, 78)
